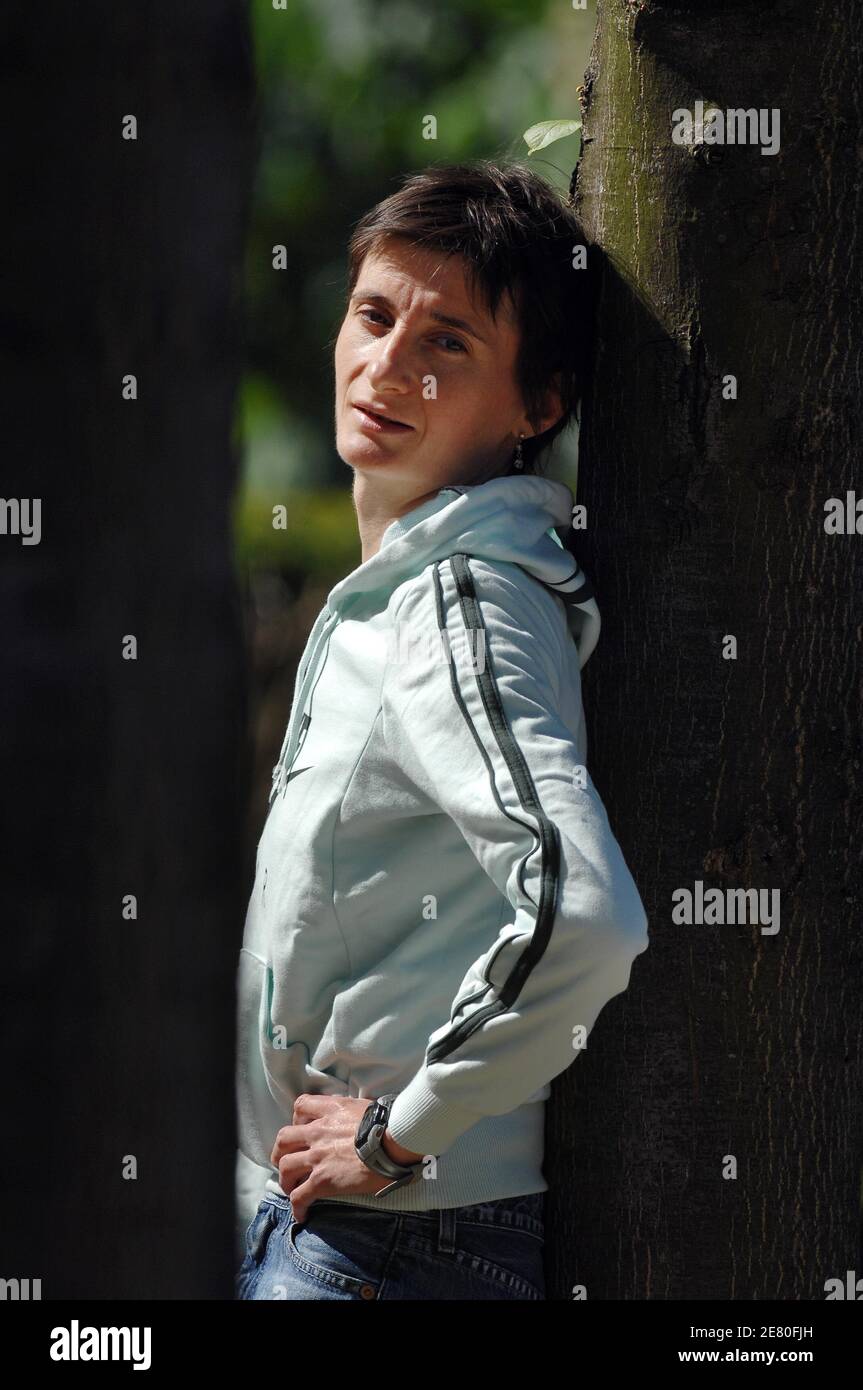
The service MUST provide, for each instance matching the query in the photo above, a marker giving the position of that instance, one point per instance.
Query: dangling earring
(518, 461)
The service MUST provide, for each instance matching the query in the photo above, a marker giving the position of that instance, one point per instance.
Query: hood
(512, 519)
(522, 520)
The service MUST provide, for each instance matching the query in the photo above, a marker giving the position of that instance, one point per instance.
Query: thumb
(300, 1202)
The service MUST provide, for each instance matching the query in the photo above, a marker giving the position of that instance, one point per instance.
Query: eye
(459, 344)
(363, 312)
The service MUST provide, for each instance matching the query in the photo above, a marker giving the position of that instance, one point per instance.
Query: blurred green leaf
(546, 132)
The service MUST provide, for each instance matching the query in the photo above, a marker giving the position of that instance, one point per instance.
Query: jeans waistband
(525, 1213)
(517, 1213)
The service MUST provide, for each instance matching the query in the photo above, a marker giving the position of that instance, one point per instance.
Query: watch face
(371, 1116)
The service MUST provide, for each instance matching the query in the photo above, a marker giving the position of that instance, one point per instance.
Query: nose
(391, 366)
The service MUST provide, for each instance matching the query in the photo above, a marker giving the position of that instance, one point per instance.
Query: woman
(402, 1012)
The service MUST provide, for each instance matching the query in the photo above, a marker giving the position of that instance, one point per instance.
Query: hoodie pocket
(259, 1118)
(503, 959)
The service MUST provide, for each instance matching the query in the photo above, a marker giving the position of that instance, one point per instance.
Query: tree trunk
(708, 1145)
(123, 776)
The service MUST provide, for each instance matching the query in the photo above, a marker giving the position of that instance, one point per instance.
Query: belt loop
(446, 1229)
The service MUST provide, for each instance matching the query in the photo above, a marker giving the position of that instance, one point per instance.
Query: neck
(379, 500)
(376, 506)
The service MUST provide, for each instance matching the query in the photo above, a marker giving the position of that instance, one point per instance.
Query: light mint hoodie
(440, 907)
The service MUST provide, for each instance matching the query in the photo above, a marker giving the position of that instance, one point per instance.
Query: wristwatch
(369, 1145)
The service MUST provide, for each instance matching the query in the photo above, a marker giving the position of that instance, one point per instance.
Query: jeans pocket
(506, 1256)
(326, 1249)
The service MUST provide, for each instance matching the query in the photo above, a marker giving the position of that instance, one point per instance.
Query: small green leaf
(546, 131)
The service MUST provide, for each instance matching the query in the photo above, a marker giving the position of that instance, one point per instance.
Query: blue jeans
(491, 1250)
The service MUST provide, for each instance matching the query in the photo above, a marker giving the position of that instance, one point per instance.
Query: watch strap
(375, 1156)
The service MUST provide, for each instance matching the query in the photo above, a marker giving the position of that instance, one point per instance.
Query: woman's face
(451, 386)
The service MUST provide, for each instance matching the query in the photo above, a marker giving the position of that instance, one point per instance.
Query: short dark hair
(516, 234)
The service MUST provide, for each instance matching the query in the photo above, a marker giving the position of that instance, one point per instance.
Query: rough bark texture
(123, 777)
(706, 518)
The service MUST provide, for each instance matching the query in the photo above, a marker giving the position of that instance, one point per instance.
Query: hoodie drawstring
(298, 724)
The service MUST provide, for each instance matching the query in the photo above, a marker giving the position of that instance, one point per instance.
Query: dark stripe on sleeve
(528, 797)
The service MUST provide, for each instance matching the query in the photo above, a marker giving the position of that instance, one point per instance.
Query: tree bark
(123, 776)
(706, 518)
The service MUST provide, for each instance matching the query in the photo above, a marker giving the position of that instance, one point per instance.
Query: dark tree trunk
(123, 777)
(707, 519)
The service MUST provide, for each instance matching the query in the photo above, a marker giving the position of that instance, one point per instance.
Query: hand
(316, 1156)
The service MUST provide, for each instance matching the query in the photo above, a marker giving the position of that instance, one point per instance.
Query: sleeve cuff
(425, 1124)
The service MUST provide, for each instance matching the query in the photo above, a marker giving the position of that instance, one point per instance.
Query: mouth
(377, 422)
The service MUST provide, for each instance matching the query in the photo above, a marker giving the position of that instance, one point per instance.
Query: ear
(552, 407)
